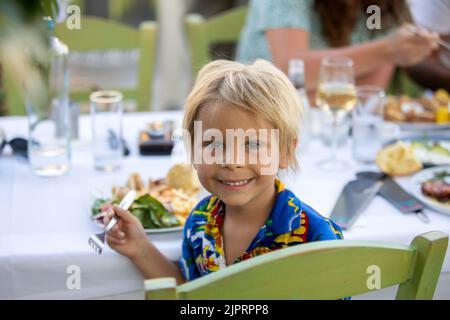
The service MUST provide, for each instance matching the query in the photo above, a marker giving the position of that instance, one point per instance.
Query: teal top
(299, 14)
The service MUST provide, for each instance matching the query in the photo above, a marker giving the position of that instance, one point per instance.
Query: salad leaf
(152, 212)
(98, 204)
(142, 215)
(441, 175)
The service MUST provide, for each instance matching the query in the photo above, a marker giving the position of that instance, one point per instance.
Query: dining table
(45, 222)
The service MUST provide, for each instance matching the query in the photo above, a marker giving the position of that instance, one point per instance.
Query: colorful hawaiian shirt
(291, 222)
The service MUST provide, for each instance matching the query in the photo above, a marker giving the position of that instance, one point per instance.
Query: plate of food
(411, 154)
(162, 205)
(432, 187)
(425, 113)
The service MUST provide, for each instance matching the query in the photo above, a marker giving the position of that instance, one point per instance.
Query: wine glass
(336, 96)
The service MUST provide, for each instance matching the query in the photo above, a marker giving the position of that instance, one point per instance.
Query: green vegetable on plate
(150, 212)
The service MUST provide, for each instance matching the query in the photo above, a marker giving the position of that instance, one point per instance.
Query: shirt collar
(285, 214)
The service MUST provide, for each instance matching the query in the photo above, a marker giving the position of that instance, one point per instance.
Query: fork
(97, 241)
(443, 43)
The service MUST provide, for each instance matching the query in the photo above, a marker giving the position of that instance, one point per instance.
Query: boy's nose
(232, 165)
(234, 158)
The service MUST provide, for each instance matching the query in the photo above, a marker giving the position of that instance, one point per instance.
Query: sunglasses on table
(19, 146)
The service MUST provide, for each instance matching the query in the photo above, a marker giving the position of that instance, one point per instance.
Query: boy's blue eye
(253, 145)
(215, 145)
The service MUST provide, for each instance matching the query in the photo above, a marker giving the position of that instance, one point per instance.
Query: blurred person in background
(434, 15)
(280, 30)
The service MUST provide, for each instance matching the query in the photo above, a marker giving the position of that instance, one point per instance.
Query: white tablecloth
(45, 221)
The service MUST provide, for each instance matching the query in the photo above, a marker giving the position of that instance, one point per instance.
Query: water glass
(49, 137)
(368, 123)
(107, 144)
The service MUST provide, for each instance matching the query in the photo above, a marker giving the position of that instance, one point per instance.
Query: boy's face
(243, 177)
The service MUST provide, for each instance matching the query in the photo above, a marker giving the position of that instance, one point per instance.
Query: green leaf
(143, 217)
(98, 204)
(157, 213)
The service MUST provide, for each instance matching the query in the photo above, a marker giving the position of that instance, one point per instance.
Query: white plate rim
(415, 187)
(149, 231)
(420, 125)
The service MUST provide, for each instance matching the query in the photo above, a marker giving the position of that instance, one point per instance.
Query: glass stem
(334, 138)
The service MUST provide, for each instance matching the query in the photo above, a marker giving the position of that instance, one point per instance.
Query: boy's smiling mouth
(234, 183)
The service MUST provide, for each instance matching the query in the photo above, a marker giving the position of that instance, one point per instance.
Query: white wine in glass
(336, 94)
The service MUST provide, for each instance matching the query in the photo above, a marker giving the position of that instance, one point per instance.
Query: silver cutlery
(443, 43)
(97, 241)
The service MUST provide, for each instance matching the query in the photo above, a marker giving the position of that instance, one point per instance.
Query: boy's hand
(127, 237)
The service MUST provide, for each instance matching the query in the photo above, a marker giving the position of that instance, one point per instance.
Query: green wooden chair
(98, 34)
(319, 270)
(221, 29)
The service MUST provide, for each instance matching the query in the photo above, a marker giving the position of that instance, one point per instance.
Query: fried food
(398, 160)
(135, 182)
(178, 197)
(430, 105)
(422, 110)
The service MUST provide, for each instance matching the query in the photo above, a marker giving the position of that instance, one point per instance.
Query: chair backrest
(320, 270)
(97, 34)
(202, 33)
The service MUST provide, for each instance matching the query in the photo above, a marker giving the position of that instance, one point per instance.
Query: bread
(398, 160)
(183, 176)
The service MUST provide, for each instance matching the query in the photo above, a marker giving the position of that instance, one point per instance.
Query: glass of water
(49, 137)
(368, 123)
(106, 114)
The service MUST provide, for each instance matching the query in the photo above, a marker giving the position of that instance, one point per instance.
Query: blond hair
(260, 88)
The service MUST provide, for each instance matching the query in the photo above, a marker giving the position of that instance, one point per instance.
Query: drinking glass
(336, 96)
(368, 123)
(106, 113)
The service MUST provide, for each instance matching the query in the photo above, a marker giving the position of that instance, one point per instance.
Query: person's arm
(380, 78)
(128, 238)
(153, 264)
(402, 48)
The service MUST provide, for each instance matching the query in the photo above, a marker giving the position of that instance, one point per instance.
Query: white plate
(416, 184)
(412, 126)
(151, 231)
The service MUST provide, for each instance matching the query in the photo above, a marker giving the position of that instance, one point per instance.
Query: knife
(402, 200)
(354, 198)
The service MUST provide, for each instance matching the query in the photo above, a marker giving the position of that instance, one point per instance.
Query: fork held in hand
(97, 241)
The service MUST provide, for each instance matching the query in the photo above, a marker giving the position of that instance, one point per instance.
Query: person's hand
(128, 236)
(409, 48)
